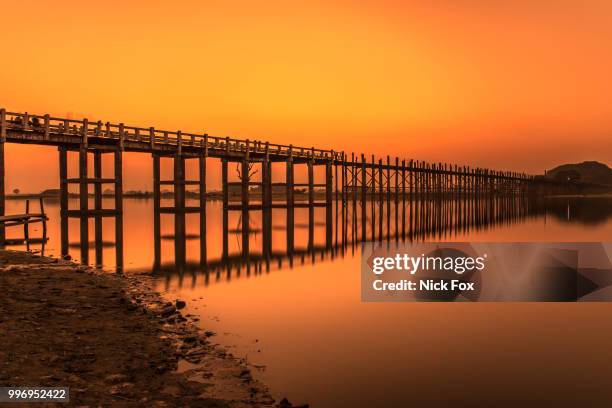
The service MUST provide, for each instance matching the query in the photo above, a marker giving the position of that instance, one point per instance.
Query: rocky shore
(112, 340)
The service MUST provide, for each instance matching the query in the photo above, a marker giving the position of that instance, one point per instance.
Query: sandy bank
(111, 339)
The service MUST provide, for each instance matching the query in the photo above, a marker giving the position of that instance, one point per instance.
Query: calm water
(300, 319)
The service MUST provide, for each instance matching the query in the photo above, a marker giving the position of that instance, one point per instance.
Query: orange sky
(504, 84)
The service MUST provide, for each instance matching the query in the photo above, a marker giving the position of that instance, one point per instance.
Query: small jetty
(25, 219)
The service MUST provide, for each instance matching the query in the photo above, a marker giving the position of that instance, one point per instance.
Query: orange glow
(511, 85)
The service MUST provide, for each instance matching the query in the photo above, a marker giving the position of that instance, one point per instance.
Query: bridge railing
(85, 129)
(82, 130)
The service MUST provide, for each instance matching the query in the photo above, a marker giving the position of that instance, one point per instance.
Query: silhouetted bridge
(347, 178)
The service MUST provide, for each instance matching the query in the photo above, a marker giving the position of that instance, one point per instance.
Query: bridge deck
(73, 134)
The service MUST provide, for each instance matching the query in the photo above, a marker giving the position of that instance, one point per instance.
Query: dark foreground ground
(111, 340)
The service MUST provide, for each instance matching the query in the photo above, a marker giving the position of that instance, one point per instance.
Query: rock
(66, 257)
(284, 403)
(190, 339)
(116, 379)
(180, 304)
(168, 311)
(209, 333)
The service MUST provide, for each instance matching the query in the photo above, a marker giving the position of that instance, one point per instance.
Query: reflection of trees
(584, 210)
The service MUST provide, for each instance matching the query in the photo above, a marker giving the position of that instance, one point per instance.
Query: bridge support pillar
(364, 190)
(97, 208)
(328, 203)
(266, 200)
(63, 175)
(225, 200)
(84, 213)
(156, 209)
(290, 202)
(245, 203)
(2, 188)
(202, 196)
(179, 209)
(118, 155)
(83, 205)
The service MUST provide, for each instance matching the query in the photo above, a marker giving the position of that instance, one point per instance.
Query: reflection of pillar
(83, 204)
(63, 175)
(225, 197)
(98, 206)
(118, 209)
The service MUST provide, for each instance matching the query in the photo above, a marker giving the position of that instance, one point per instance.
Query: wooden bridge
(347, 178)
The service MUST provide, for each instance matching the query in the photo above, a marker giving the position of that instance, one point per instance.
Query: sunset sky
(516, 85)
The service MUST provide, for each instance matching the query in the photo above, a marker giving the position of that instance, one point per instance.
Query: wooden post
(310, 182)
(343, 179)
(156, 206)
(121, 135)
(44, 220)
(202, 165)
(364, 187)
(290, 201)
(335, 176)
(225, 200)
(118, 210)
(26, 224)
(152, 138)
(373, 199)
(84, 131)
(46, 123)
(380, 199)
(63, 176)
(2, 125)
(2, 188)
(83, 205)
(328, 202)
(403, 199)
(245, 202)
(388, 197)
(289, 179)
(98, 206)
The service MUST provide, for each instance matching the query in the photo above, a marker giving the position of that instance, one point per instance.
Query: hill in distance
(591, 172)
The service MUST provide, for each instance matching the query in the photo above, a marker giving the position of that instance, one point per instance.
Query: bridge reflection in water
(327, 237)
(283, 238)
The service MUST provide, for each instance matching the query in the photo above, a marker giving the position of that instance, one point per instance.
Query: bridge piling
(98, 208)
